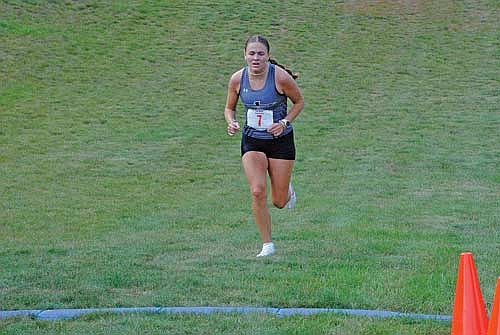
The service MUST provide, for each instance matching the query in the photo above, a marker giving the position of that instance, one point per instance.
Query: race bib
(259, 119)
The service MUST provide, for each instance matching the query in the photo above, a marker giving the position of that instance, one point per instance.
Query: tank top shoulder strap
(270, 75)
(244, 83)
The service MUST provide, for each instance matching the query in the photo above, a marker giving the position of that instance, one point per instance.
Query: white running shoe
(267, 250)
(291, 203)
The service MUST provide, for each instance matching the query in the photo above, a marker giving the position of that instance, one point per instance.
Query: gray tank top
(262, 107)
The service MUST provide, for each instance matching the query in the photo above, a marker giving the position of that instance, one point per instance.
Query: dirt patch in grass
(384, 7)
(467, 16)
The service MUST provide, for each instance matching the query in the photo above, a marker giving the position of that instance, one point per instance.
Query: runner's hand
(233, 127)
(276, 129)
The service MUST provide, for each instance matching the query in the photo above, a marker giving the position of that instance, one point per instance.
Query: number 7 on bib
(259, 119)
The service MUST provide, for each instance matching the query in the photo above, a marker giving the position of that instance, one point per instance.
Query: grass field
(119, 185)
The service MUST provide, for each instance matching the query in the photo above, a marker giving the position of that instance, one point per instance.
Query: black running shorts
(279, 148)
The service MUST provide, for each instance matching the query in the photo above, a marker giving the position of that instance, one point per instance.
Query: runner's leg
(256, 165)
(280, 172)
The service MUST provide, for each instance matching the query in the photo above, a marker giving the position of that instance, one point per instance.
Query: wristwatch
(285, 123)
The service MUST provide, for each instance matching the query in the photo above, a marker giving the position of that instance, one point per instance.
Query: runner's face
(256, 56)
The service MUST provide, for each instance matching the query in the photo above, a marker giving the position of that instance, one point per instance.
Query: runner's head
(257, 51)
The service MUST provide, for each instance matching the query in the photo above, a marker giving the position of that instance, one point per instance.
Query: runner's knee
(280, 202)
(258, 192)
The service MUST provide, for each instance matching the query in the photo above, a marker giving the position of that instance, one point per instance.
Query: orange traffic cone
(469, 312)
(494, 324)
